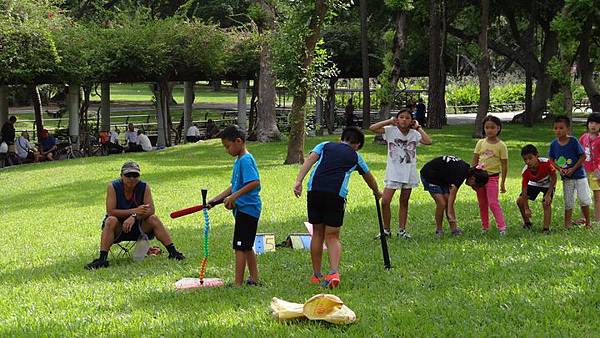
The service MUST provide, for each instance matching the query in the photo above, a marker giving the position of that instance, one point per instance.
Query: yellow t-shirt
(490, 155)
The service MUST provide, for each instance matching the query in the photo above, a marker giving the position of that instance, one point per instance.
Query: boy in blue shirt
(567, 157)
(326, 198)
(243, 198)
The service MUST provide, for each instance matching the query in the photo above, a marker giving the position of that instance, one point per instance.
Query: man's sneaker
(386, 232)
(250, 282)
(502, 232)
(97, 263)
(404, 234)
(177, 256)
(439, 232)
(457, 232)
(332, 280)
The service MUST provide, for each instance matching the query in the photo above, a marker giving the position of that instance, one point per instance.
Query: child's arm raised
(425, 139)
(377, 128)
(372, 183)
(308, 163)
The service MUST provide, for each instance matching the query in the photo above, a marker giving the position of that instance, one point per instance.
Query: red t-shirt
(541, 177)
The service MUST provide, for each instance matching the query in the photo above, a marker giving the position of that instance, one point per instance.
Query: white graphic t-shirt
(402, 155)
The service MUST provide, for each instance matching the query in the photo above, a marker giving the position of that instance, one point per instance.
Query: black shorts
(244, 231)
(533, 191)
(325, 208)
(133, 234)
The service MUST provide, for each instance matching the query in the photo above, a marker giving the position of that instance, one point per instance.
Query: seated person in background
(48, 146)
(211, 129)
(129, 211)
(193, 134)
(106, 139)
(114, 136)
(8, 133)
(144, 141)
(25, 150)
(131, 136)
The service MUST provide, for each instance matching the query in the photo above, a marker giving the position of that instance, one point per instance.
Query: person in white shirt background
(193, 134)
(144, 141)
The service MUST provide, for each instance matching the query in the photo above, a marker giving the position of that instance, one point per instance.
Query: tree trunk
(483, 69)
(105, 105)
(297, 121)
(188, 105)
(252, 113)
(437, 80)
(242, 117)
(567, 89)
(84, 126)
(586, 69)
(319, 116)
(295, 151)
(37, 110)
(3, 104)
(73, 107)
(329, 110)
(266, 116)
(543, 90)
(398, 50)
(528, 114)
(364, 51)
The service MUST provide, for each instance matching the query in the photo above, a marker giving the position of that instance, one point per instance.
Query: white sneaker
(386, 232)
(404, 234)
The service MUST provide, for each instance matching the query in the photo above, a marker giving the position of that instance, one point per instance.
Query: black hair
(481, 176)
(404, 110)
(593, 117)
(564, 119)
(13, 119)
(493, 119)
(353, 135)
(529, 149)
(232, 132)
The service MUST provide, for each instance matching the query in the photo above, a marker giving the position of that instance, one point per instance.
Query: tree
(437, 70)
(364, 51)
(301, 63)
(266, 119)
(483, 69)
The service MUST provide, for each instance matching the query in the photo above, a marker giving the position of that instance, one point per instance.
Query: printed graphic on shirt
(563, 162)
(403, 151)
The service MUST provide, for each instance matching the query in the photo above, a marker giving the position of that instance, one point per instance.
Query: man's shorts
(395, 185)
(133, 234)
(434, 188)
(533, 191)
(593, 182)
(325, 208)
(244, 231)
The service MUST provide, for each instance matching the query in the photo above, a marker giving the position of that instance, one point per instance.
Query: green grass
(526, 284)
(142, 92)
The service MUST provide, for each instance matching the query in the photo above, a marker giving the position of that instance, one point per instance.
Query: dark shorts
(325, 208)
(244, 231)
(434, 188)
(133, 235)
(533, 191)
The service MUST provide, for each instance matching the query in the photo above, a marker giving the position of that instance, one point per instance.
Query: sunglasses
(132, 175)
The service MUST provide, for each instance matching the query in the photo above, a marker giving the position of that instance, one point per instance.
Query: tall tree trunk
(295, 151)
(105, 105)
(74, 115)
(566, 88)
(586, 68)
(252, 114)
(364, 51)
(329, 110)
(437, 79)
(398, 55)
(528, 114)
(188, 106)
(483, 69)
(36, 101)
(84, 125)
(266, 116)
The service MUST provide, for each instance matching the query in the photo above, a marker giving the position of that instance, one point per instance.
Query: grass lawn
(142, 92)
(525, 284)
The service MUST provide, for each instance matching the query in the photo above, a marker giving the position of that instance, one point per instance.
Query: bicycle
(66, 150)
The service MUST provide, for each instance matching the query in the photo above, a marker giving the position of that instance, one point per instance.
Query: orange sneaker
(315, 280)
(332, 280)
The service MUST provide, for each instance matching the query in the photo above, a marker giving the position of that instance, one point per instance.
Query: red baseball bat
(191, 210)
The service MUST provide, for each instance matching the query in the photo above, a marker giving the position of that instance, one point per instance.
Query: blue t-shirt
(244, 172)
(566, 156)
(332, 171)
(48, 143)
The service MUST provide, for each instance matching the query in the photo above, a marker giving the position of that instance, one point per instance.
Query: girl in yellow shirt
(491, 155)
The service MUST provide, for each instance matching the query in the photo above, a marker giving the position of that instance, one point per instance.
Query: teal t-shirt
(244, 172)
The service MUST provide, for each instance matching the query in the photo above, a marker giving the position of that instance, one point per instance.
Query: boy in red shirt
(538, 177)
